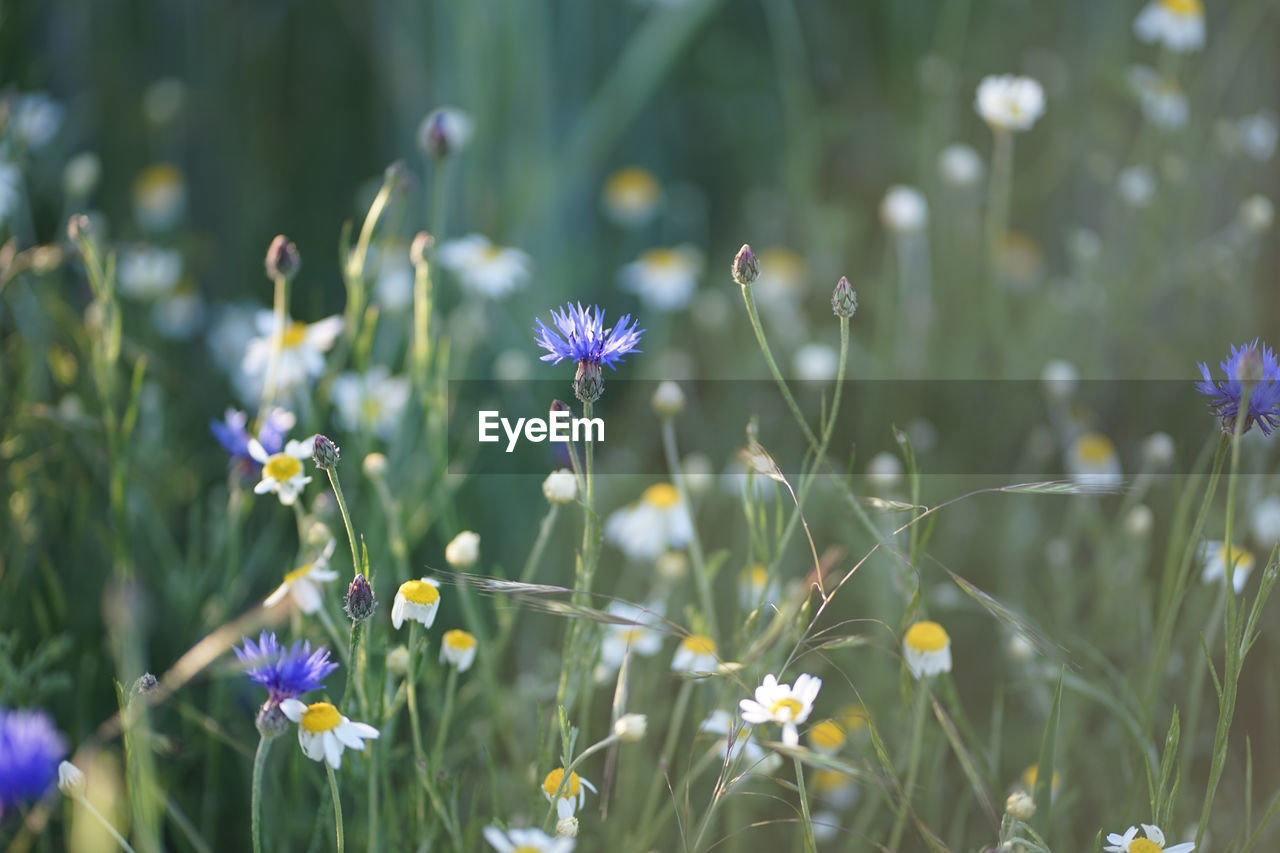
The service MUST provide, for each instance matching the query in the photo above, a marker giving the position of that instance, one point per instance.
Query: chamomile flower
(853, 718)
(658, 521)
(1162, 100)
(960, 165)
(1152, 843)
(634, 634)
(286, 673)
(1215, 557)
(1225, 396)
(463, 550)
(283, 472)
(324, 733)
(1009, 102)
(372, 401)
(927, 649)
(457, 647)
(695, 654)
(302, 349)
(30, 749)
(1257, 135)
(484, 269)
(34, 118)
(1136, 185)
(665, 279)
(631, 197)
(526, 841)
(418, 600)
(303, 583)
(784, 704)
(159, 197)
(148, 272)
(1265, 520)
(1177, 24)
(827, 736)
(572, 797)
(1092, 461)
(232, 433)
(782, 277)
(755, 589)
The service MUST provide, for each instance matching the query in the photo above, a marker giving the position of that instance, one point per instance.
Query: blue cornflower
(1225, 394)
(584, 337)
(232, 433)
(286, 673)
(30, 749)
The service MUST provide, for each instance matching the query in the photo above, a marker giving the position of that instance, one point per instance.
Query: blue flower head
(232, 433)
(286, 673)
(1225, 394)
(30, 749)
(583, 338)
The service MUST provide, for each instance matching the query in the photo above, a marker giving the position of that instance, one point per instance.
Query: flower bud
(559, 406)
(324, 453)
(145, 684)
(70, 780)
(444, 131)
(745, 267)
(79, 227)
(374, 466)
(588, 384)
(844, 301)
(567, 827)
(283, 259)
(631, 727)
(418, 249)
(560, 487)
(463, 551)
(668, 400)
(360, 602)
(1020, 806)
(271, 721)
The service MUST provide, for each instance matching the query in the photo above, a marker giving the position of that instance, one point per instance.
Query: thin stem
(346, 518)
(337, 806)
(255, 807)
(668, 748)
(442, 730)
(700, 576)
(280, 311)
(415, 726)
(106, 824)
(749, 298)
(810, 845)
(913, 764)
(998, 201)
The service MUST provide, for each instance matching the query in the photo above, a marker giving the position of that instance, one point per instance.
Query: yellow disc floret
(631, 185)
(1243, 558)
(419, 592)
(927, 637)
(790, 705)
(827, 734)
(552, 784)
(459, 639)
(1144, 845)
(159, 177)
(1095, 448)
(1183, 7)
(294, 335)
(699, 644)
(661, 495)
(281, 468)
(320, 717)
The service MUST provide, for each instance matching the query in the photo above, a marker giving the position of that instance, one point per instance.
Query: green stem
(749, 298)
(506, 617)
(422, 303)
(442, 730)
(913, 763)
(346, 518)
(668, 748)
(337, 806)
(255, 807)
(415, 725)
(810, 845)
(998, 202)
(700, 576)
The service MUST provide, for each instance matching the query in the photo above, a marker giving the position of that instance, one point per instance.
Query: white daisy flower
(302, 349)
(148, 272)
(159, 197)
(35, 118)
(1153, 843)
(635, 635)
(657, 522)
(560, 487)
(755, 589)
(372, 401)
(664, 279)
(1177, 24)
(1092, 461)
(695, 654)
(1215, 557)
(927, 649)
(526, 841)
(282, 472)
(393, 281)
(484, 269)
(324, 733)
(574, 795)
(1009, 102)
(457, 647)
(904, 210)
(784, 704)
(303, 583)
(631, 197)
(960, 165)
(445, 131)
(1163, 102)
(463, 551)
(418, 600)
(81, 175)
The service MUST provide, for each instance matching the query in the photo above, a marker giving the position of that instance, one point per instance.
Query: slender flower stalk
(446, 717)
(701, 577)
(255, 808)
(337, 807)
(913, 763)
(806, 822)
(415, 724)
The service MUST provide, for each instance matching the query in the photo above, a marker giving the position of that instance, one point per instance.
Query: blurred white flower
(35, 118)
(230, 332)
(631, 197)
(529, 840)
(668, 399)
(513, 366)
(1257, 135)
(1092, 461)
(10, 190)
(159, 197)
(463, 550)
(1177, 24)
(631, 728)
(1137, 185)
(457, 647)
(373, 401)
(180, 315)
(81, 174)
(303, 583)
(484, 269)
(735, 737)
(695, 654)
(1059, 378)
(393, 284)
(815, 363)
(664, 279)
(560, 487)
(1214, 559)
(1158, 450)
(148, 272)
(656, 522)
(163, 100)
(1009, 102)
(960, 165)
(1162, 100)
(302, 349)
(1139, 521)
(572, 798)
(755, 589)
(884, 471)
(1257, 213)
(635, 635)
(904, 210)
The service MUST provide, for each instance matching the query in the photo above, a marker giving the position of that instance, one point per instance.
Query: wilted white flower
(904, 210)
(631, 197)
(1009, 102)
(463, 551)
(574, 795)
(1177, 24)
(960, 165)
(458, 647)
(485, 269)
(373, 401)
(927, 649)
(658, 521)
(148, 272)
(324, 733)
(784, 704)
(664, 279)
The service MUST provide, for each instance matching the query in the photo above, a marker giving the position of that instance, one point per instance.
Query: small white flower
(372, 401)
(1265, 519)
(1177, 24)
(458, 648)
(696, 654)
(393, 282)
(560, 487)
(1163, 102)
(784, 704)
(631, 197)
(927, 649)
(148, 272)
(960, 165)
(1059, 379)
(159, 197)
(631, 727)
(10, 190)
(71, 780)
(664, 279)
(904, 210)
(815, 363)
(635, 635)
(1158, 450)
(566, 827)
(1257, 213)
(1215, 557)
(444, 131)
(301, 357)
(657, 522)
(668, 399)
(1009, 102)
(1257, 135)
(35, 118)
(463, 551)
(755, 589)
(484, 269)
(526, 841)
(1139, 521)
(324, 733)
(574, 795)
(418, 600)
(81, 175)
(303, 583)
(1153, 843)
(282, 472)
(1137, 185)
(884, 471)
(1092, 462)
(827, 737)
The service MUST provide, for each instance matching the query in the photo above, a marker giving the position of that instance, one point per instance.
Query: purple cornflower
(30, 749)
(232, 433)
(583, 338)
(1256, 362)
(286, 673)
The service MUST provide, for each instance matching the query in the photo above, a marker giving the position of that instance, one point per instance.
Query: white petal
(264, 485)
(332, 749)
(790, 736)
(307, 596)
(312, 744)
(397, 612)
(348, 735)
(1185, 847)
(278, 596)
(293, 709)
(1154, 833)
(498, 840)
(257, 451)
(564, 807)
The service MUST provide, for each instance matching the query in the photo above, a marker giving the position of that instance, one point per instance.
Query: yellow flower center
(552, 784)
(1187, 8)
(281, 467)
(1243, 558)
(371, 408)
(854, 718)
(788, 704)
(757, 576)
(927, 637)
(320, 717)
(781, 265)
(294, 335)
(631, 185)
(1095, 448)
(699, 644)
(827, 735)
(525, 848)
(1032, 773)
(459, 640)
(661, 495)
(419, 592)
(492, 253)
(664, 259)
(300, 572)
(826, 781)
(630, 635)
(160, 177)
(1144, 845)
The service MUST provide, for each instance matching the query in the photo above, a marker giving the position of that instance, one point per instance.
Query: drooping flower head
(30, 749)
(286, 672)
(927, 649)
(1153, 843)
(580, 335)
(1225, 395)
(323, 732)
(572, 795)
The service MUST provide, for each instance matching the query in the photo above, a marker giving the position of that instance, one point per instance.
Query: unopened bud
(271, 721)
(375, 465)
(1020, 806)
(324, 453)
(559, 406)
(745, 266)
(398, 660)
(70, 780)
(631, 727)
(560, 487)
(588, 384)
(444, 131)
(668, 400)
(79, 227)
(360, 602)
(145, 684)
(844, 301)
(567, 827)
(283, 260)
(464, 550)
(418, 249)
